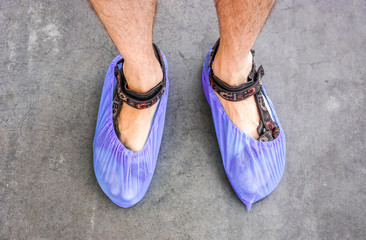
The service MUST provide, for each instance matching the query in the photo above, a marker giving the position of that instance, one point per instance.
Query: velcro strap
(268, 128)
(135, 99)
(240, 92)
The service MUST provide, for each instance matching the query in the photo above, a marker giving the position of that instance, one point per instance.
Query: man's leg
(130, 25)
(240, 23)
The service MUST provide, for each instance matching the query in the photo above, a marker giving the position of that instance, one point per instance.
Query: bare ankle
(232, 68)
(142, 75)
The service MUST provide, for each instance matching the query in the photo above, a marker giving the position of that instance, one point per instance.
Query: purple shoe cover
(254, 168)
(124, 175)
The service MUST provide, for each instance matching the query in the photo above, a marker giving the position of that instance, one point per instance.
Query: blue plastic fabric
(124, 175)
(253, 168)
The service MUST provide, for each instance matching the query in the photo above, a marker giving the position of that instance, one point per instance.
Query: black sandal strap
(237, 93)
(268, 130)
(241, 92)
(140, 100)
(134, 99)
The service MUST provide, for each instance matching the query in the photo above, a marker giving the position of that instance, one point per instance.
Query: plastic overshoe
(124, 175)
(254, 167)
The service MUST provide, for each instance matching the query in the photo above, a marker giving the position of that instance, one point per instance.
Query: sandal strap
(237, 93)
(135, 99)
(268, 129)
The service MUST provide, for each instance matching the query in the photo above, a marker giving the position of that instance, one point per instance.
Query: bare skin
(240, 23)
(130, 25)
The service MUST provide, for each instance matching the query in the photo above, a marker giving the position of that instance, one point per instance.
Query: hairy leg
(240, 23)
(130, 25)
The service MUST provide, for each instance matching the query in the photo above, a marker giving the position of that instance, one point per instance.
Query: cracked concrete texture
(54, 58)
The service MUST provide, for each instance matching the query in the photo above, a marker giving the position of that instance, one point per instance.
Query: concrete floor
(54, 56)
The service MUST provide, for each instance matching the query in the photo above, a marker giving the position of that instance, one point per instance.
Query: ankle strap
(240, 92)
(135, 99)
(237, 93)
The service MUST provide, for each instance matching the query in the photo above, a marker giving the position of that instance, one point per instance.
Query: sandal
(124, 175)
(254, 167)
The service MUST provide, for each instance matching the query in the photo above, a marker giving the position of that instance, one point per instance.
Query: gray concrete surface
(54, 56)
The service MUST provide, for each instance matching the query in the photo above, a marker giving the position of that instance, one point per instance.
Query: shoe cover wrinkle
(124, 175)
(254, 168)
